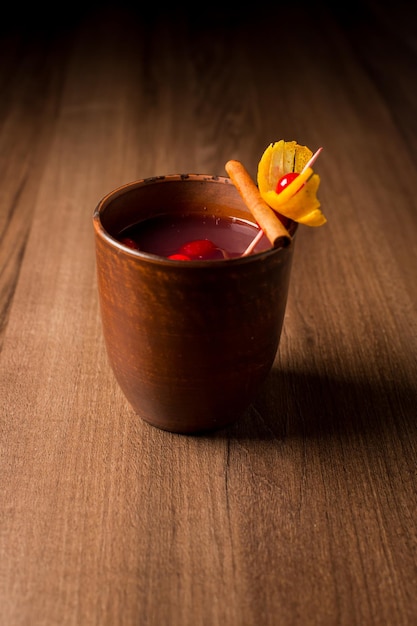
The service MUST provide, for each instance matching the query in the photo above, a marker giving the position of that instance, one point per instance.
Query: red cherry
(129, 242)
(199, 249)
(285, 180)
(179, 257)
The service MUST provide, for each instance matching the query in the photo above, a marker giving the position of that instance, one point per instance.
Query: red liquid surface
(164, 235)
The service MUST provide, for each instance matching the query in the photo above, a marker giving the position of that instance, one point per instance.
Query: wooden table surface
(305, 510)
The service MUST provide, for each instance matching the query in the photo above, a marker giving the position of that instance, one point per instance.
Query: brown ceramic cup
(190, 342)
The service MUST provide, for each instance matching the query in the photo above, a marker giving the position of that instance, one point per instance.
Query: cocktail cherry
(286, 180)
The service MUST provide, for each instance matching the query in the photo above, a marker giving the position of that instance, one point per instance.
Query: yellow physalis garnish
(296, 198)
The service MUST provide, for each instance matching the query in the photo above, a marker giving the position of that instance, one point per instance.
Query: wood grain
(303, 512)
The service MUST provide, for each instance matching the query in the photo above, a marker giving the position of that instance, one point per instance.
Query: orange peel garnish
(298, 200)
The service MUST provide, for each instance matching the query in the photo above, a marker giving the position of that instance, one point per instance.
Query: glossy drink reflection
(170, 234)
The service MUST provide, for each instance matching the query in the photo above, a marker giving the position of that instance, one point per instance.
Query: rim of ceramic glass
(154, 258)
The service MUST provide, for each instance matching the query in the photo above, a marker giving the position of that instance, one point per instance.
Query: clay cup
(190, 343)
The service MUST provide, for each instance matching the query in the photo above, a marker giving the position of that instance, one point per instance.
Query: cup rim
(102, 232)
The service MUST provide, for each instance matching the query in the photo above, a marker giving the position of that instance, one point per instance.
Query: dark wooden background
(304, 511)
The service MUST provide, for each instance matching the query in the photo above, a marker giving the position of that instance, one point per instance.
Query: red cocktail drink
(178, 233)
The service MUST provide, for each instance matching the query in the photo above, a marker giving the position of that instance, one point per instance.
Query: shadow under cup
(190, 342)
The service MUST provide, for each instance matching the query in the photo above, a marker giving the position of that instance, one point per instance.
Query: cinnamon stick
(268, 221)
